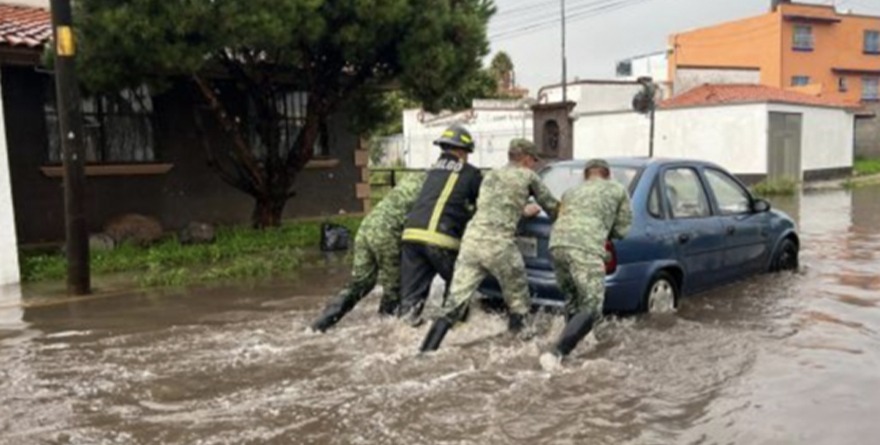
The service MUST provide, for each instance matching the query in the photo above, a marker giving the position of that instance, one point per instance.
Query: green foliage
(238, 253)
(779, 187)
(867, 166)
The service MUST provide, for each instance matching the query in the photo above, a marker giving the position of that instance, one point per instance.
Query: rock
(133, 228)
(197, 233)
(101, 242)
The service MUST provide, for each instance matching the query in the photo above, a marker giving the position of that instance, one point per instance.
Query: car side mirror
(760, 206)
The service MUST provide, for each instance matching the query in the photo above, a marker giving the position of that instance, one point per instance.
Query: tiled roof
(24, 26)
(718, 94)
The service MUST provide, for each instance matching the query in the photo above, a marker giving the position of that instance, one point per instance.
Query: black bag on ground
(334, 237)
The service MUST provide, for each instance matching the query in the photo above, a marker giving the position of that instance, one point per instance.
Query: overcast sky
(597, 42)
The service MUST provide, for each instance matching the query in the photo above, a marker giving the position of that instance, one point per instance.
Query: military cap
(522, 146)
(597, 163)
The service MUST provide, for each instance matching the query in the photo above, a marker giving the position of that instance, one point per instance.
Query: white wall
(734, 137)
(8, 244)
(493, 127)
(595, 97)
(688, 78)
(826, 138)
(612, 134)
(37, 3)
(654, 65)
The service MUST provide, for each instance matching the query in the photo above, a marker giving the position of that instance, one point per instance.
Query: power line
(506, 14)
(552, 13)
(535, 27)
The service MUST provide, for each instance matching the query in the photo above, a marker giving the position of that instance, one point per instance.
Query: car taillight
(611, 264)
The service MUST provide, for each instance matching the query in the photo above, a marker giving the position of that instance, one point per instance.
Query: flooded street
(782, 359)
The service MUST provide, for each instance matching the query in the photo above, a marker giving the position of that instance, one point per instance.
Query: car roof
(633, 162)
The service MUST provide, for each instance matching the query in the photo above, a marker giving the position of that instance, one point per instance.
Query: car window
(732, 198)
(654, 207)
(560, 178)
(685, 193)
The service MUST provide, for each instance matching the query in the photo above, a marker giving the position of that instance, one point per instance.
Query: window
(551, 137)
(842, 85)
(118, 128)
(654, 202)
(730, 196)
(685, 194)
(799, 81)
(803, 38)
(869, 88)
(872, 42)
(291, 105)
(563, 177)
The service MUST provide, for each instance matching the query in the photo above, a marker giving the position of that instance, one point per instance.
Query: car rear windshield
(560, 178)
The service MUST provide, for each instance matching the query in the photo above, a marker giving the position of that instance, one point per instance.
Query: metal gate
(784, 147)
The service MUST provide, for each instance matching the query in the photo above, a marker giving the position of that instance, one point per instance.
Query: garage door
(784, 150)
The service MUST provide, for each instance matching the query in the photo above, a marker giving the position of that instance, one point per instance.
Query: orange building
(811, 48)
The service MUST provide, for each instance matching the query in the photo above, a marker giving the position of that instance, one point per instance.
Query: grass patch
(778, 187)
(238, 253)
(864, 166)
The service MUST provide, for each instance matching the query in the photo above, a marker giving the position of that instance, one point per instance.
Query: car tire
(662, 294)
(786, 257)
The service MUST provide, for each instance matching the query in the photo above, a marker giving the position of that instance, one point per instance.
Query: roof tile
(24, 26)
(724, 94)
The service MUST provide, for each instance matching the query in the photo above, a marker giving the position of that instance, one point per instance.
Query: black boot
(436, 334)
(515, 323)
(389, 307)
(333, 312)
(575, 330)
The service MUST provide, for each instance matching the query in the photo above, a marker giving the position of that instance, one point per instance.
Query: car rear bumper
(623, 290)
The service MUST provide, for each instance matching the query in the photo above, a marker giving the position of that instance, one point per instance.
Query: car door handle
(731, 230)
(684, 238)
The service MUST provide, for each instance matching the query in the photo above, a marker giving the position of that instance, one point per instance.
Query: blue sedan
(695, 227)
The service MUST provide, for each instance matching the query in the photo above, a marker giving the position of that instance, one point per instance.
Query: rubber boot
(411, 314)
(575, 330)
(389, 307)
(435, 335)
(333, 312)
(515, 323)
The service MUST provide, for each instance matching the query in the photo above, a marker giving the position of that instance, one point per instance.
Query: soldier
(376, 255)
(590, 214)
(489, 243)
(436, 223)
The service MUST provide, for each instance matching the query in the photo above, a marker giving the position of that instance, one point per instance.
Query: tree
(340, 53)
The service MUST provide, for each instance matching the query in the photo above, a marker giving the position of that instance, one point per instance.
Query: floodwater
(785, 359)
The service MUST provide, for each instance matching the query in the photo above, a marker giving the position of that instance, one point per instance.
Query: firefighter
(434, 227)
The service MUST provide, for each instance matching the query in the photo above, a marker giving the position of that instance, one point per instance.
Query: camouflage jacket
(387, 219)
(503, 195)
(591, 213)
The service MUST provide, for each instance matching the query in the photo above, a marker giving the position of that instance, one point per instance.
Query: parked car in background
(695, 227)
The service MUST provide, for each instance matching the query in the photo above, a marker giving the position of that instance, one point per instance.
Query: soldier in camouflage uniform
(489, 245)
(376, 255)
(591, 213)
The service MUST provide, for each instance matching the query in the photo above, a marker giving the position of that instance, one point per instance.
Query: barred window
(799, 81)
(870, 88)
(118, 128)
(292, 107)
(803, 38)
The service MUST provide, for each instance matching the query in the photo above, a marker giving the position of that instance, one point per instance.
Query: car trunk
(533, 240)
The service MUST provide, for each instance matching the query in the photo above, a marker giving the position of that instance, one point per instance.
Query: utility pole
(72, 149)
(564, 68)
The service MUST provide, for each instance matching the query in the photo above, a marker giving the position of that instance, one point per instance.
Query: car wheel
(662, 294)
(786, 257)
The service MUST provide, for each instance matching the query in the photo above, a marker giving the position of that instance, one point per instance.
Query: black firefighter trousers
(419, 264)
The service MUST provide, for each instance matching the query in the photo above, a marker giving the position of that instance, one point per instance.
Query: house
(144, 152)
(654, 65)
(755, 131)
(811, 48)
(493, 124)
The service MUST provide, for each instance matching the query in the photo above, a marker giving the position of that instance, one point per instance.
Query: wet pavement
(790, 358)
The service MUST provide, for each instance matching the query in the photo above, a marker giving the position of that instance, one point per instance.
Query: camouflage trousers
(376, 260)
(581, 277)
(499, 257)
